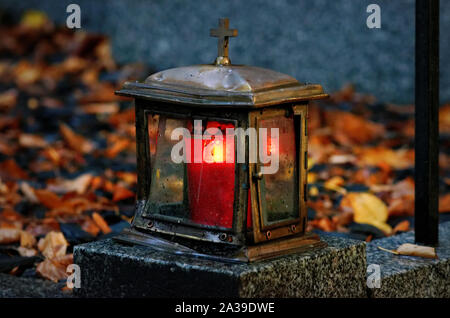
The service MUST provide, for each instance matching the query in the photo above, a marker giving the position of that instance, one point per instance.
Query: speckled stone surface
(407, 276)
(110, 269)
(13, 287)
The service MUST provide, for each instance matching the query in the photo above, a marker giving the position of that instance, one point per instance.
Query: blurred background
(68, 146)
(318, 41)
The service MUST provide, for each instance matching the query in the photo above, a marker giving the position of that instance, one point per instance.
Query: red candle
(211, 182)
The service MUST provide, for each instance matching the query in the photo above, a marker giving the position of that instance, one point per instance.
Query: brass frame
(261, 232)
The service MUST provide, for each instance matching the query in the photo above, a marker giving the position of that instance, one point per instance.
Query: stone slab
(407, 276)
(110, 269)
(27, 287)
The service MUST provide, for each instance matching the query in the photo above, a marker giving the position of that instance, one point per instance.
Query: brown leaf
(121, 193)
(32, 141)
(380, 156)
(10, 170)
(55, 269)
(9, 235)
(27, 240)
(444, 203)
(53, 245)
(117, 147)
(349, 129)
(101, 223)
(401, 227)
(90, 226)
(100, 108)
(75, 141)
(78, 185)
(48, 198)
(28, 191)
(27, 252)
(8, 99)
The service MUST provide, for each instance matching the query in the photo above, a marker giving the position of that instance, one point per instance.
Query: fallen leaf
(100, 108)
(10, 170)
(28, 191)
(75, 141)
(417, 250)
(401, 227)
(27, 240)
(121, 193)
(48, 198)
(90, 226)
(32, 141)
(9, 235)
(53, 245)
(349, 129)
(27, 252)
(78, 185)
(101, 223)
(385, 157)
(444, 203)
(335, 184)
(368, 209)
(55, 269)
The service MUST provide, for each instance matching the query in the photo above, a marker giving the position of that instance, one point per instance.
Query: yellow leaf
(34, 19)
(334, 184)
(369, 209)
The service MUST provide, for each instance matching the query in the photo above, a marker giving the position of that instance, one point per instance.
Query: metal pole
(427, 123)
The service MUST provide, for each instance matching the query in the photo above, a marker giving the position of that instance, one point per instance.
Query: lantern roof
(222, 84)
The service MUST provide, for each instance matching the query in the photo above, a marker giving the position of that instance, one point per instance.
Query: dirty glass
(200, 189)
(278, 191)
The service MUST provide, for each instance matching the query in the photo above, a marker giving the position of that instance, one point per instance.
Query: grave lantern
(222, 160)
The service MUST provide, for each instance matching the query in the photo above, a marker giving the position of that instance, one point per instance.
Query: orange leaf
(55, 269)
(75, 141)
(101, 223)
(444, 203)
(48, 198)
(10, 170)
(27, 240)
(117, 147)
(90, 226)
(401, 227)
(53, 245)
(121, 193)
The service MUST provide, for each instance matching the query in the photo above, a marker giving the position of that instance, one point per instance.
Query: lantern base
(233, 254)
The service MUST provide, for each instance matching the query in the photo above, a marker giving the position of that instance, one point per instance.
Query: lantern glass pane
(192, 180)
(279, 190)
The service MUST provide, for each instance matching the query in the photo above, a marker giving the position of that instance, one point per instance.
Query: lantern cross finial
(223, 33)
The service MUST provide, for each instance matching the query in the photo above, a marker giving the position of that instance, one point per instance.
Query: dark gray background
(319, 41)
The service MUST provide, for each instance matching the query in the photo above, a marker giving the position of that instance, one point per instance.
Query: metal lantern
(222, 160)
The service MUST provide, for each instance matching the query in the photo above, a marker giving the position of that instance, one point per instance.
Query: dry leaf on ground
(368, 209)
(417, 250)
(55, 269)
(101, 223)
(53, 245)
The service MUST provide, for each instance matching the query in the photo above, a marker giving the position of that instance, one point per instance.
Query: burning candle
(211, 182)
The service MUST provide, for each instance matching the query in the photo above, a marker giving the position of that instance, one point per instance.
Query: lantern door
(278, 178)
